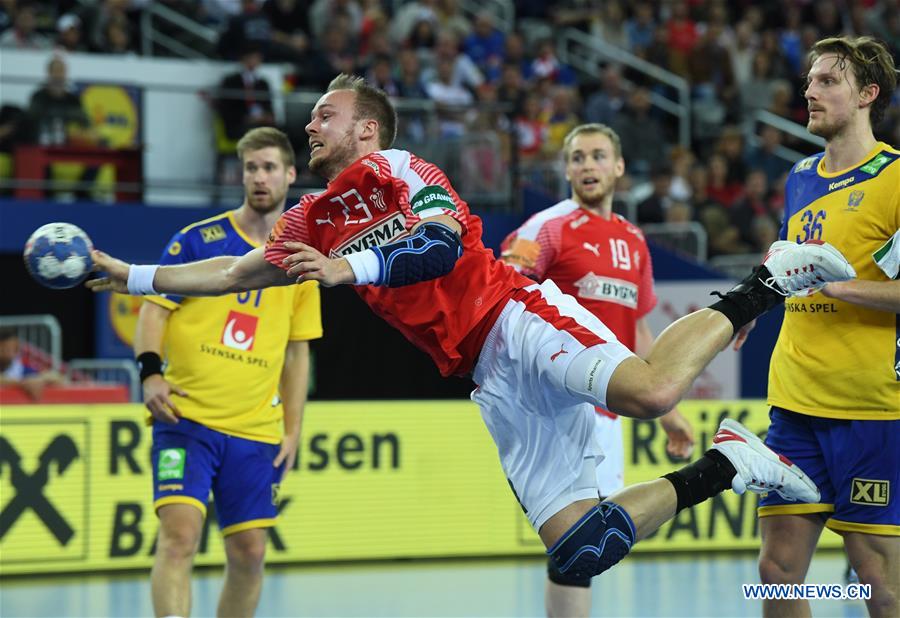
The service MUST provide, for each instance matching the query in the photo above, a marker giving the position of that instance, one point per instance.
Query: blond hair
(592, 128)
(371, 103)
(267, 137)
(871, 62)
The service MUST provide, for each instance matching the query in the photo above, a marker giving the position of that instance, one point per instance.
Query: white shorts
(544, 434)
(610, 473)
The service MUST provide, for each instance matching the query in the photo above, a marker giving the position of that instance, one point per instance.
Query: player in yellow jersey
(834, 379)
(226, 413)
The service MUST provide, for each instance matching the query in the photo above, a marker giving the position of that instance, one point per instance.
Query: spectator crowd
(738, 58)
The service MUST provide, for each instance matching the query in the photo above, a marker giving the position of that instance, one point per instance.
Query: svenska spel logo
(240, 331)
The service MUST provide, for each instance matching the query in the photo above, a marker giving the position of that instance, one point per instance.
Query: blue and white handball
(58, 255)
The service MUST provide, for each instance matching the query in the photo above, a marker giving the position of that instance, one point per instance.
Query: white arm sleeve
(888, 256)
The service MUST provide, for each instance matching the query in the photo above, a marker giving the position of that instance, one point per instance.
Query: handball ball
(58, 255)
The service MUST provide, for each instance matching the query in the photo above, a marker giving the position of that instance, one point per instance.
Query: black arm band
(149, 364)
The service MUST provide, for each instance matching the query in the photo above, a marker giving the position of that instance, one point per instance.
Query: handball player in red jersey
(392, 225)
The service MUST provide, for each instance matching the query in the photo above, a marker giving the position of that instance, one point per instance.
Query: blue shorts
(190, 459)
(856, 465)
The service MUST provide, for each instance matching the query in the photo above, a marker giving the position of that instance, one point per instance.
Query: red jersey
(604, 263)
(375, 201)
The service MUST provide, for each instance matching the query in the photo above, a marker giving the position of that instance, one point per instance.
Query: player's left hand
(116, 279)
(309, 264)
(287, 453)
(833, 290)
(679, 433)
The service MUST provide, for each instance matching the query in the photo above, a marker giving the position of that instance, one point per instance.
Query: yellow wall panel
(374, 480)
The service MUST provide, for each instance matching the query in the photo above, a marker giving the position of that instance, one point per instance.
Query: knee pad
(595, 543)
(562, 579)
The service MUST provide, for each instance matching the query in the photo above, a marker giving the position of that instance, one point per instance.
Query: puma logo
(595, 249)
(562, 350)
(326, 220)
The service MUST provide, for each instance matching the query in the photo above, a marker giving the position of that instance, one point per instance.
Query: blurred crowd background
(123, 116)
(706, 95)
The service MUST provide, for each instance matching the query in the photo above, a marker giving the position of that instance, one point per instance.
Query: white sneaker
(802, 270)
(759, 468)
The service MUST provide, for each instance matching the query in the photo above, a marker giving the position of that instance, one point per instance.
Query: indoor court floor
(642, 585)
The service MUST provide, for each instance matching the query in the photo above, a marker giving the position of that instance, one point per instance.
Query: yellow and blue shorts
(855, 464)
(190, 460)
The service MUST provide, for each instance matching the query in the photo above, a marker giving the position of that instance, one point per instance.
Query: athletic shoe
(801, 270)
(759, 468)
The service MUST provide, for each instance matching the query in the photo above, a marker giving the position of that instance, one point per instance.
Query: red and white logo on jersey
(377, 198)
(240, 331)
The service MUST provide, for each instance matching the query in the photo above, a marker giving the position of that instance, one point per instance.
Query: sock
(708, 476)
(747, 300)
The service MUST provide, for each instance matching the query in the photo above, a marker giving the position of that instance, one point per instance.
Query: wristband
(140, 279)
(366, 267)
(149, 364)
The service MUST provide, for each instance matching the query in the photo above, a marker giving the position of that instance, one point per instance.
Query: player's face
(266, 179)
(832, 96)
(333, 140)
(593, 168)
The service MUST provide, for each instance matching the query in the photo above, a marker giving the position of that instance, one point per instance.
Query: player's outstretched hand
(116, 279)
(157, 398)
(309, 264)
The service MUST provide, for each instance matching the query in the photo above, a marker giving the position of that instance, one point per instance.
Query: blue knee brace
(595, 543)
(562, 579)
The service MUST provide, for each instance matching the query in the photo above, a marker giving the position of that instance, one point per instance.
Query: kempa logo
(383, 232)
(432, 196)
(171, 464)
(870, 492)
(59, 454)
(840, 184)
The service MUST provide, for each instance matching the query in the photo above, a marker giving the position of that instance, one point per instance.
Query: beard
(820, 129)
(273, 202)
(827, 130)
(595, 196)
(333, 164)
